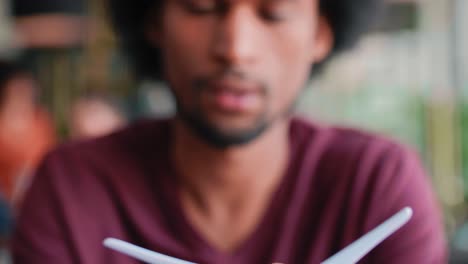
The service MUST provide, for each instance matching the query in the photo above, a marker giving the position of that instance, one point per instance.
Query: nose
(236, 38)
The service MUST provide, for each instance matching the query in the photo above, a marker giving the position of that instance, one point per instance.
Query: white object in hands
(349, 255)
(359, 248)
(140, 253)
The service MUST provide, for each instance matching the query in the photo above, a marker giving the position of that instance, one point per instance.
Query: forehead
(299, 5)
(253, 2)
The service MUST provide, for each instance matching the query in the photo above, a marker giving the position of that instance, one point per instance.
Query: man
(233, 178)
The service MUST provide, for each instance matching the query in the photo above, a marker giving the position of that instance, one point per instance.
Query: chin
(224, 134)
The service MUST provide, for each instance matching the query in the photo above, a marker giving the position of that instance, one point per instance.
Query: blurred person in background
(234, 177)
(94, 116)
(49, 23)
(26, 131)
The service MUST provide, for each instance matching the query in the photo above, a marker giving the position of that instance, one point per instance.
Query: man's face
(237, 66)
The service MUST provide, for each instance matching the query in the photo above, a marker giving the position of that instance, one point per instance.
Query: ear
(323, 41)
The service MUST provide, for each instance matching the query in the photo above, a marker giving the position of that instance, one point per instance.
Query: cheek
(184, 47)
(179, 55)
(292, 63)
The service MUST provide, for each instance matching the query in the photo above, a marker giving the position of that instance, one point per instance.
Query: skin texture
(236, 69)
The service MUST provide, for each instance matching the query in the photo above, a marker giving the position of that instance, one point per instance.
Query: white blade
(140, 253)
(359, 248)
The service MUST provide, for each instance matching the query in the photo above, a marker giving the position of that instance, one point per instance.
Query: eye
(201, 7)
(273, 16)
(276, 11)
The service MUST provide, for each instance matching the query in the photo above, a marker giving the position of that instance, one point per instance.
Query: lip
(233, 96)
(234, 86)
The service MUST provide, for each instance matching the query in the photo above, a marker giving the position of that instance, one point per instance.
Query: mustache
(236, 74)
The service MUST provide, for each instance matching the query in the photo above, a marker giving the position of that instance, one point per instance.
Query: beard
(220, 138)
(216, 135)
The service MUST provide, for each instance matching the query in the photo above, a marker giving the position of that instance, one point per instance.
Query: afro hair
(349, 19)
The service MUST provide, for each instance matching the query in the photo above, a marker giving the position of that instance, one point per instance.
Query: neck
(232, 174)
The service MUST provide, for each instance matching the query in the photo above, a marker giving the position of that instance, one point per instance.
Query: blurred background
(62, 78)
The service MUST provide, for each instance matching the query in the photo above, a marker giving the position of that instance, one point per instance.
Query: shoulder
(368, 178)
(138, 137)
(111, 155)
(358, 164)
(338, 142)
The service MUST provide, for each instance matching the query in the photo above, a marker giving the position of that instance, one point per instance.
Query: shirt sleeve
(40, 232)
(400, 182)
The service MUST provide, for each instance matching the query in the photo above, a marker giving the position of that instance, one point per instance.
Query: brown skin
(273, 43)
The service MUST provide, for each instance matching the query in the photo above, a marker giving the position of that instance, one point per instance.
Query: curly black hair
(349, 19)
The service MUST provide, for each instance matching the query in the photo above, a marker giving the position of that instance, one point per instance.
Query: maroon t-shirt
(340, 184)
